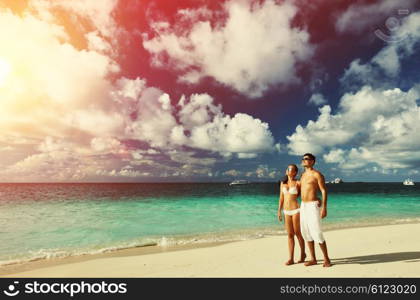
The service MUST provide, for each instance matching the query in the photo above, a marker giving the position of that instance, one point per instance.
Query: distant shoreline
(175, 182)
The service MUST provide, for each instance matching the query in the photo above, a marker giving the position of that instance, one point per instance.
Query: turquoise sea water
(50, 220)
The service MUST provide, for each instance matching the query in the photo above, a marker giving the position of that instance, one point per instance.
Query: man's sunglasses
(307, 158)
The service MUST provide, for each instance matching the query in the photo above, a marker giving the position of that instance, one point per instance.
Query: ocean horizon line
(195, 182)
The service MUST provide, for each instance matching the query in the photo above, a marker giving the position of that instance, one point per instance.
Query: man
(310, 213)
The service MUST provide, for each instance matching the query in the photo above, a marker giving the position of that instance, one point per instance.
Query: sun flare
(5, 69)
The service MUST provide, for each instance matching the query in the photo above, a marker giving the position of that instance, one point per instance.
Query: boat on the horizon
(335, 181)
(408, 181)
(239, 181)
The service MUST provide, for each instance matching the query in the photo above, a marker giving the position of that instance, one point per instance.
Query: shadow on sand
(379, 258)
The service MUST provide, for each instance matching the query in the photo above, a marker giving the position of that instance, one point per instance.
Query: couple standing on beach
(304, 221)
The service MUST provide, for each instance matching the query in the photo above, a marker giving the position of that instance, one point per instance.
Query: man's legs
(313, 220)
(312, 253)
(327, 262)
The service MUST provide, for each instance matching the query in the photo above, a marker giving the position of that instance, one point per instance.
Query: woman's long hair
(286, 178)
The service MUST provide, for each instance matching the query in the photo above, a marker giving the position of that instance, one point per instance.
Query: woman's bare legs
(288, 221)
(296, 229)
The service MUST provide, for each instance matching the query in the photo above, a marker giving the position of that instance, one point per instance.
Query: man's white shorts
(310, 222)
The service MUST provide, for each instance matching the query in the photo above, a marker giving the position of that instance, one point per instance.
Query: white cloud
(105, 145)
(198, 111)
(350, 159)
(188, 158)
(273, 174)
(6, 148)
(49, 144)
(155, 119)
(198, 123)
(359, 17)
(59, 165)
(92, 19)
(177, 135)
(371, 126)
(128, 89)
(413, 172)
(263, 171)
(241, 133)
(317, 99)
(57, 99)
(388, 60)
(386, 64)
(126, 172)
(47, 84)
(97, 43)
(280, 148)
(99, 13)
(254, 49)
(67, 120)
(136, 154)
(247, 155)
(380, 122)
(327, 131)
(232, 173)
(359, 73)
(95, 122)
(334, 156)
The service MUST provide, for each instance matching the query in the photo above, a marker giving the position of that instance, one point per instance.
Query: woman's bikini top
(292, 190)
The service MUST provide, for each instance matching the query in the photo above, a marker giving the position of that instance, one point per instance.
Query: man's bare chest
(308, 180)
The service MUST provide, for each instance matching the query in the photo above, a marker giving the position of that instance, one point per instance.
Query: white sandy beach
(382, 251)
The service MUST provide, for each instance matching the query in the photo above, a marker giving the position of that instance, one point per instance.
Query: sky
(208, 91)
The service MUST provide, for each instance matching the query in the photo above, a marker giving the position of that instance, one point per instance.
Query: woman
(289, 192)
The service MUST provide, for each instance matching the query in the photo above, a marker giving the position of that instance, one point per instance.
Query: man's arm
(321, 184)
